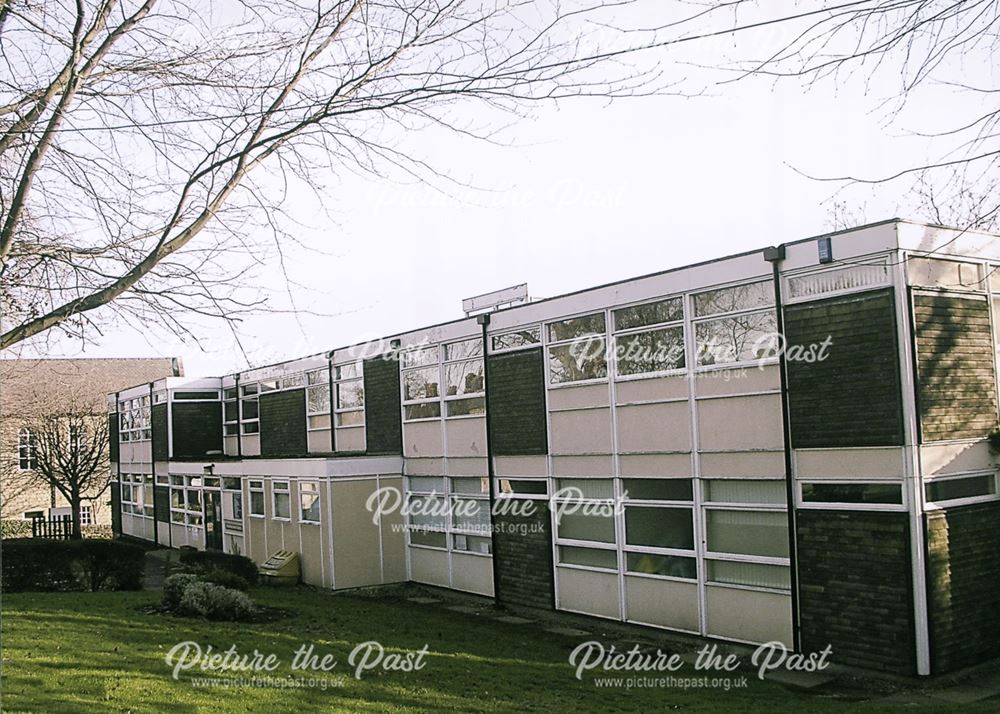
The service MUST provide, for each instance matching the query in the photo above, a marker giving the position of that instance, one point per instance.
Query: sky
(575, 194)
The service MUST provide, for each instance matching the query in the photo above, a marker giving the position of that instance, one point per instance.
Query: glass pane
(179, 396)
(420, 357)
(590, 557)
(464, 378)
(465, 348)
(521, 338)
(745, 491)
(231, 484)
(281, 505)
(653, 351)
(753, 574)
(577, 327)
(428, 538)
(309, 503)
(657, 489)
(747, 532)
(231, 410)
(351, 394)
(421, 384)
(423, 411)
(470, 485)
(674, 566)
(659, 527)
(740, 297)
(737, 339)
(428, 512)
(193, 500)
(652, 314)
(470, 515)
(943, 273)
(248, 389)
(535, 488)
(318, 399)
(578, 525)
(466, 407)
(176, 498)
(251, 428)
(585, 488)
(257, 503)
(961, 488)
(579, 360)
(471, 544)
(852, 492)
(319, 376)
(251, 410)
(426, 483)
(349, 371)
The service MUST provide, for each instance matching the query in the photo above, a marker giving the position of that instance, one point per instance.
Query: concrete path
(158, 565)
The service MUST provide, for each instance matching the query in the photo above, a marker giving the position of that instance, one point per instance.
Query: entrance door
(213, 521)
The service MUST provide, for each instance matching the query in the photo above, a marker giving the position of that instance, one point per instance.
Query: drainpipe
(239, 417)
(329, 381)
(774, 256)
(118, 466)
(152, 462)
(484, 320)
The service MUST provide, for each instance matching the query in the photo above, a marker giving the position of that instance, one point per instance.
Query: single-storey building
(787, 444)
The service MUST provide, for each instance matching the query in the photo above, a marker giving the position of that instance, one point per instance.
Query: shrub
(204, 561)
(42, 565)
(97, 531)
(216, 602)
(15, 529)
(174, 587)
(226, 579)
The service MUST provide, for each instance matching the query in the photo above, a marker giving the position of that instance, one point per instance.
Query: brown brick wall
(855, 587)
(963, 583)
(955, 382)
(523, 557)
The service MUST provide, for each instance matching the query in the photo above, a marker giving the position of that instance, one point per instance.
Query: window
(76, 436)
(655, 313)
(670, 566)
(659, 527)
(449, 513)
(27, 450)
(954, 489)
(309, 502)
(31, 515)
(257, 498)
(745, 491)
(759, 533)
(465, 385)
(657, 489)
(748, 334)
(759, 575)
(932, 272)
(350, 408)
(318, 399)
(525, 337)
(230, 412)
(522, 488)
(250, 408)
(585, 524)
(185, 500)
(588, 557)
(280, 500)
(639, 350)
(853, 493)
(196, 396)
(86, 514)
(577, 349)
(134, 421)
(421, 384)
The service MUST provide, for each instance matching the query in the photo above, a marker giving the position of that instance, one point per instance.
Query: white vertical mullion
(912, 468)
(329, 500)
(612, 362)
(381, 552)
(690, 357)
(550, 477)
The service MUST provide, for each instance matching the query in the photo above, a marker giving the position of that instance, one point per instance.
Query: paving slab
(566, 631)
(423, 600)
(800, 680)
(513, 620)
(466, 609)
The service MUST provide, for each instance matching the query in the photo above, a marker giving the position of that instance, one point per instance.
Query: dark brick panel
(113, 438)
(383, 420)
(161, 502)
(956, 387)
(517, 403)
(116, 509)
(853, 397)
(963, 583)
(523, 556)
(855, 588)
(161, 439)
(283, 423)
(197, 428)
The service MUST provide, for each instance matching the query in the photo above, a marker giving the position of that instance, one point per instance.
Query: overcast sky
(576, 195)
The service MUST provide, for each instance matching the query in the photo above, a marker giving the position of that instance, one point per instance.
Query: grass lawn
(71, 652)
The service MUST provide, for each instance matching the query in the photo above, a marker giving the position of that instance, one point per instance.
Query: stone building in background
(33, 389)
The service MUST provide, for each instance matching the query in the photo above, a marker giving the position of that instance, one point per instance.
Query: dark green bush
(174, 587)
(205, 561)
(42, 565)
(226, 579)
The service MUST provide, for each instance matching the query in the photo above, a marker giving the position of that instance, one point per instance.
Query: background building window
(27, 450)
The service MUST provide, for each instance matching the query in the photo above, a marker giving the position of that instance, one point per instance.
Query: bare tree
(147, 146)
(71, 453)
(924, 46)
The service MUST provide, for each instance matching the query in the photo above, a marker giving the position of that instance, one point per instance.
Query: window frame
(695, 320)
(256, 486)
(300, 485)
(27, 449)
(339, 380)
(551, 344)
(285, 491)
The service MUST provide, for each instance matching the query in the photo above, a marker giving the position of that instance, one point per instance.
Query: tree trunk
(74, 506)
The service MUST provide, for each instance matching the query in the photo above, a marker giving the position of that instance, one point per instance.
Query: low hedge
(206, 561)
(42, 565)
